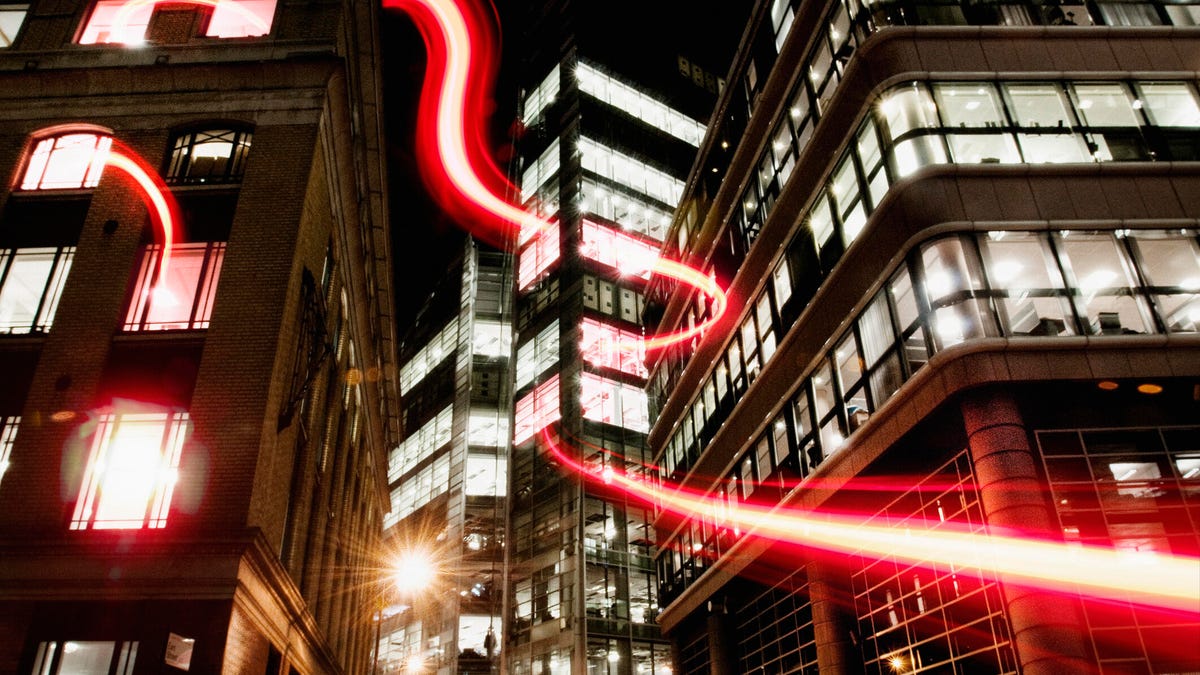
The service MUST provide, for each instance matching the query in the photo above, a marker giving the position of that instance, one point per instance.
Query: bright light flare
(413, 571)
(1152, 579)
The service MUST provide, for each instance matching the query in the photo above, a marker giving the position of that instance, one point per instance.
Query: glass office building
(961, 246)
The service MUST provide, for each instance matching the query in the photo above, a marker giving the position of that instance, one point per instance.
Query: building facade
(448, 476)
(194, 439)
(960, 242)
(607, 142)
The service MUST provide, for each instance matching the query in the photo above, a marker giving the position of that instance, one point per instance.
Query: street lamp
(407, 574)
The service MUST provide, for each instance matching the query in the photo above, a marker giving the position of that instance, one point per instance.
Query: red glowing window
(607, 346)
(537, 409)
(616, 249)
(127, 21)
(183, 300)
(66, 161)
(613, 403)
(8, 436)
(537, 256)
(131, 471)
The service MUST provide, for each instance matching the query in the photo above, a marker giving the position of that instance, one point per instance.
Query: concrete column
(722, 647)
(1049, 633)
(831, 623)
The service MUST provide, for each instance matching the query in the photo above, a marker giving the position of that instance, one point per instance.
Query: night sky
(424, 239)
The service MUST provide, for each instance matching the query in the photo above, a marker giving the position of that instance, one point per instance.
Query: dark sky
(424, 239)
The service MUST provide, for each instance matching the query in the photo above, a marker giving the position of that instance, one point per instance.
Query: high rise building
(960, 241)
(610, 134)
(193, 444)
(448, 477)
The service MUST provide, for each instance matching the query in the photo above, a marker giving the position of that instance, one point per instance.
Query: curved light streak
(125, 13)
(450, 110)
(1165, 581)
(159, 201)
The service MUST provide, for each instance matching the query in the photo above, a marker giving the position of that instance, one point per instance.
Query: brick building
(199, 467)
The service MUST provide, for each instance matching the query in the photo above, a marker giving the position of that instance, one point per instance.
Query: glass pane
(875, 328)
(915, 153)
(908, 108)
(983, 149)
(86, 658)
(1170, 104)
(824, 398)
(1038, 105)
(901, 290)
(25, 282)
(1053, 148)
(1169, 258)
(1105, 105)
(11, 18)
(969, 105)
(1019, 265)
(848, 363)
(1102, 283)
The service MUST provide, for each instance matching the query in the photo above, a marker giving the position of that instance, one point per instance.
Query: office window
(537, 354)
(67, 161)
(31, 282)
(208, 156)
(613, 403)
(1046, 136)
(485, 475)
(638, 104)
(631, 213)
(11, 18)
(539, 171)
(1102, 283)
(8, 436)
(184, 299)
(615, 249)
(536, 410)
(492, 339)
(85, 657)
(422, 443)
(952, 283)
(606, 346)
(975, 106)
(487, 428)
(541, 97)
(131, 471)
(441, 346)
(1027, 283)
(537, 256)
(1170, 263)
(124, 22)
(1170, 104)
(629, 172)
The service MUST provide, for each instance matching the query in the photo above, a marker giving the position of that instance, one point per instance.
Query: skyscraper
(448, 477)
(960, 241)
(194, 423)
(610, 134)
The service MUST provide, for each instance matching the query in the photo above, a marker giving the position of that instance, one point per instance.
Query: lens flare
(453, 149)
(1157, 580)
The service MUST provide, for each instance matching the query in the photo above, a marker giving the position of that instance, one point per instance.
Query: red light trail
(121, 19)
(161, 204)
(452, 115)
(1164, 581)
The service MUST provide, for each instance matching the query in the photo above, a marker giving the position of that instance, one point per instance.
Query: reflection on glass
(1170, 104)
(1102, 283)
(1022, 270)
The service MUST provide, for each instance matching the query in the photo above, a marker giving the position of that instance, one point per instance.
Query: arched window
(208, 156)
(68, 160)
(134, 22)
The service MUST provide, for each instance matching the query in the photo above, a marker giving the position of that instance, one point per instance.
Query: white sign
(179, 651)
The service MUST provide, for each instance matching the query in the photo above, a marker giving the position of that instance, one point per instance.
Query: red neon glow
(126, 21)
(453, 148)
(1153, 579)
(164, 210)
(606, 346)
(617, 249)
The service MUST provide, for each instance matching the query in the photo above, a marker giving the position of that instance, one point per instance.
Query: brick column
(1049, 634)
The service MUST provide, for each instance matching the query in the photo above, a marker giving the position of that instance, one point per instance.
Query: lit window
(537, 256)
(209, 156)
(11, 18)
(184, 299)
(492, 339)
(8, 435)
(67, 161)
(131, 471)
(536, 410)
(615, 249)
(419, 445)
(126, 21)
(31, 282)
(537, 354)
(487, 428)
(543, 96)
(638, 104)
(606, 346)
(434, 352)
(79, 657)
(486, 476)
(613, 403)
